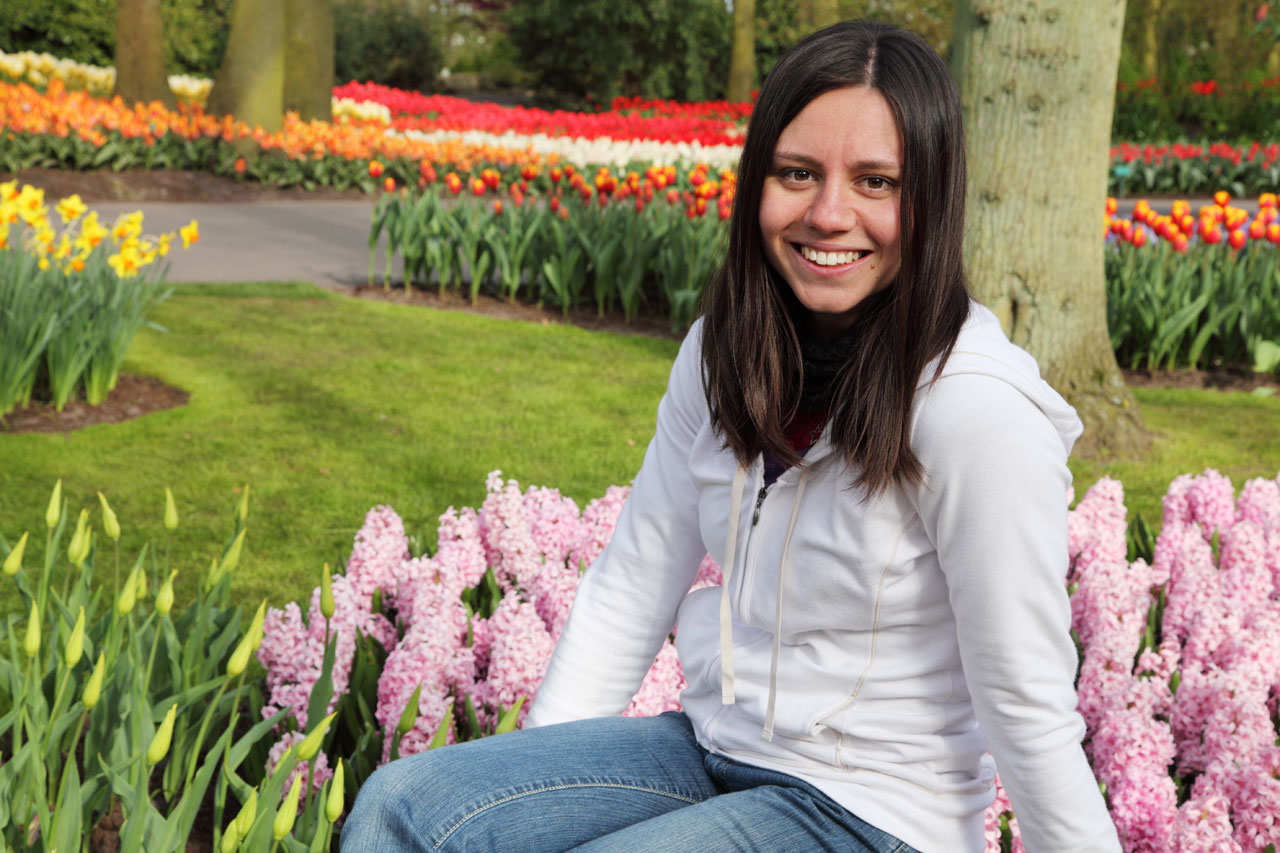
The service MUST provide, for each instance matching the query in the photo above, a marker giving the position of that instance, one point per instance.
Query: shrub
(381, 41)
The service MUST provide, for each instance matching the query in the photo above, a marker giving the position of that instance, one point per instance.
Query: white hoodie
(882, 650)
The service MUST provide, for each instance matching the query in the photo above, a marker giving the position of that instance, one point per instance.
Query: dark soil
(137, 395)
(165, 185)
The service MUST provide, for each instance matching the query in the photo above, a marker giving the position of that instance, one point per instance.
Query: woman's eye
(875, 183)
(797, 175)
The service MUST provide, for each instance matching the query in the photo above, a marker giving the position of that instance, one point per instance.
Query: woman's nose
(834, 209)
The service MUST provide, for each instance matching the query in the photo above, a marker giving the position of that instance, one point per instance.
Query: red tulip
(1236, 239)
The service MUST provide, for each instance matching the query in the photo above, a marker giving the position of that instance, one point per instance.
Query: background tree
(139, 55)
(742, 59)
(1038, 87)
(279, 56)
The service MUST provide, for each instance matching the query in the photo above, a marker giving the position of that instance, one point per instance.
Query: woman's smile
(829, 209)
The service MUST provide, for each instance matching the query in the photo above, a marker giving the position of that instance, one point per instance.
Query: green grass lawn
(329, 406)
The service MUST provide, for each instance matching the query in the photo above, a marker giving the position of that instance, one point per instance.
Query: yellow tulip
(31, 644)
(243, 509)
(240, 657)
(13, 562)
(230, 838)
(164, 598)
(128, 594)
(77, 538)
(334, 802)
(232, 559)
(288, 813)
(110, 524)
(255, 627)
(142, 586)
(170, 510)
(326, 593)
(311, 743)
(54, 512)
(93, 687)
(75, 643)
(160, 743)
(249, 811)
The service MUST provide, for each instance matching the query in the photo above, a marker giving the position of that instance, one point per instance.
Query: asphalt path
(325, 242)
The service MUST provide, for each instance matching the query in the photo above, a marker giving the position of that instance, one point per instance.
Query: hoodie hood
(983, 348)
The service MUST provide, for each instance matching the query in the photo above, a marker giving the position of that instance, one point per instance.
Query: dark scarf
(822, 359)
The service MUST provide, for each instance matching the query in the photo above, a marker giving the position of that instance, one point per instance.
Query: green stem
(220, 792)
(53, 715)
(42, 593)
(204, 727)
(151, 659)
(71, 760)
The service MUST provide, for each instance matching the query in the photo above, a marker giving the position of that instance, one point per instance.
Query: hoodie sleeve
(994, 505)
(626, 603)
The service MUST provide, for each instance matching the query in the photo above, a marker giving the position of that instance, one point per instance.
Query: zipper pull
(759, 501)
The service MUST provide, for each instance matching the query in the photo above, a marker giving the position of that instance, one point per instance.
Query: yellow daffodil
(9, 190)
(162, 246)
(190, 234)
(127, 225)
(71, 208)
(91, 231)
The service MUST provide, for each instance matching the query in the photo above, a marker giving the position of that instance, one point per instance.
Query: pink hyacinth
(519, 650)
(661, 688)
(596, 529)
(379, 549)
(1203, 825)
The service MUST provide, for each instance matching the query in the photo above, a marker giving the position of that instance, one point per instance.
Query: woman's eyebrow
(859, 166)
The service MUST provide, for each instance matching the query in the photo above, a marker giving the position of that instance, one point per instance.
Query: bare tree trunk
(825, 13)
(308, 63)
(1037, 83)
(1151, 39)
(250, 83)
(140, 74)
(742, 61)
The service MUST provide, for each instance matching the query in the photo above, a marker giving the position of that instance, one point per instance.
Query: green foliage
(1213, 305)
(594, 50)
(382, 41)
(604, 256)
(85, 31)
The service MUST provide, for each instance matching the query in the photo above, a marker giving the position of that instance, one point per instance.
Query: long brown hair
(750, 345)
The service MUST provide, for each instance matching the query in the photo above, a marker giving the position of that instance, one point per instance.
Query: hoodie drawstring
(726, 618)
(777, 625)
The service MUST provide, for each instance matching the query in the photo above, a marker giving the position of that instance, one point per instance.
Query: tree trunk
(1037, 84)
(250, 83)
(1151, 39)
(140, 74)
(825, 13)
(742, 61)
(308, 62)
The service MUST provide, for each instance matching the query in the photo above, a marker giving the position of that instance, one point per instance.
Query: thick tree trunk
(140, 74)
(742, 61)
(308, 60)
(250, 83)
(1037, 83)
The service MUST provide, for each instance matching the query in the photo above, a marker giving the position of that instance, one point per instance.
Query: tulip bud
(335, 801)
(240, 657)
(255, 627)
(247, 813)
(93, 687)
(128, 593)
(232, 559)
(215, 575)
(110, 524)
(170, 510)
(75, 643)
(31, 644)
(164, 598)
(243, 509)
(54, 512)
(13, 562)
(77, 538)
(86, 544)
(230, 838)
(326, 593)
(311, 743)
(288, 813)
(160, 743)
(142, 585)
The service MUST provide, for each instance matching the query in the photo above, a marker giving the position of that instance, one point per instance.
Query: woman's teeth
(830, 259)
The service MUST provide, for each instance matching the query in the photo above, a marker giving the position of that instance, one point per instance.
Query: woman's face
(829, 209)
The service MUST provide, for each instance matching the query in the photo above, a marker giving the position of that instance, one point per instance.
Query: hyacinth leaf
(507, 722)
(318, 701)
(473, 719)
(442, 733)
(240, 749)
(410, 713)
(67, 818)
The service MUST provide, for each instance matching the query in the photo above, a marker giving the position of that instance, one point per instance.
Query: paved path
(325, 242)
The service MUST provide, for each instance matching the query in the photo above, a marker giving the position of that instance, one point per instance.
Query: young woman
(882, 477)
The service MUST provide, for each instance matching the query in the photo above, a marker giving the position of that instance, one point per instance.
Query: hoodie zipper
(755, 516)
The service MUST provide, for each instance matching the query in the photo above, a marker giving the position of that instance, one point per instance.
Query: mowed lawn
(328, 406)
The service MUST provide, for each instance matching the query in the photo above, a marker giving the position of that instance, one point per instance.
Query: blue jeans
(609, 785)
